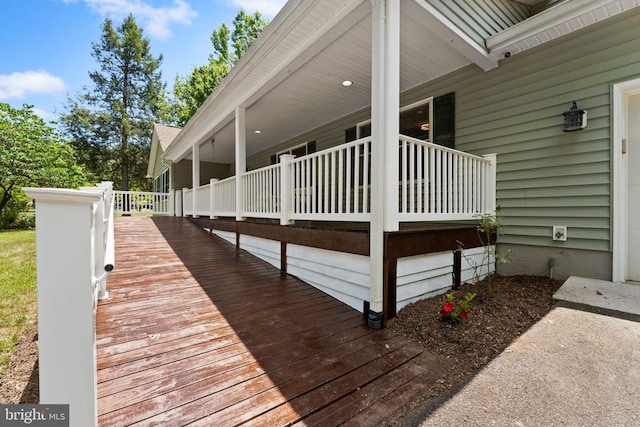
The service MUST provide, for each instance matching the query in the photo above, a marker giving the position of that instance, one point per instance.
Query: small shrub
(453, 313)
(488, 226)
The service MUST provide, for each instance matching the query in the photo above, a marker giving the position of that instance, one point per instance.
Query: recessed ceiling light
(347, 83)
(257, 131)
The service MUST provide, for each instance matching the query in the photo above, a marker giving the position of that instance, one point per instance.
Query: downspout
(385, 59)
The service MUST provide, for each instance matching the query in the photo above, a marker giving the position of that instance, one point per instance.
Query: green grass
(18, 299)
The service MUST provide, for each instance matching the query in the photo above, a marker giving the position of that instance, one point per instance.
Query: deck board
(197, 332)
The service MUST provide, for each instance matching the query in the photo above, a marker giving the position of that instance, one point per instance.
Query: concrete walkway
(573, 368)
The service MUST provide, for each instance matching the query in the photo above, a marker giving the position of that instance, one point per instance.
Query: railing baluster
(348, 178)
(333, 182)
(340, 180)
(366, 177)
(412, 178)
(403, 177)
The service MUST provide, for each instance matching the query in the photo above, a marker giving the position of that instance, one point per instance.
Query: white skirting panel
(343, 276)
(346, 276)
(229, 236)
(424, 276)
(265, 249)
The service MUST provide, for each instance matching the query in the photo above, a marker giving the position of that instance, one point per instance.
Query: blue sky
(45, 45)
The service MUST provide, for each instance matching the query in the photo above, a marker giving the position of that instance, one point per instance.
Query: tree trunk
(6, 196)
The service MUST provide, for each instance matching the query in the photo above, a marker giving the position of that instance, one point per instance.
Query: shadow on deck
(197, 332)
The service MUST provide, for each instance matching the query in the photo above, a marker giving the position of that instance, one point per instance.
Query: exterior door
(633, 190)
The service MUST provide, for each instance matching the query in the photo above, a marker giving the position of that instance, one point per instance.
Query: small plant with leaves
(488, 225)
(452, 312)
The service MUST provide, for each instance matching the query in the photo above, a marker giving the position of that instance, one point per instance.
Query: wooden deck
(197, 332)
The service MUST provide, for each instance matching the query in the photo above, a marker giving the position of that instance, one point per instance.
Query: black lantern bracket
(574, 118)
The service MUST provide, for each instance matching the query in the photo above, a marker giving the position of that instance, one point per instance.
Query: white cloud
(18, 85)
(44, 115)
(155, 20)
(268, 8)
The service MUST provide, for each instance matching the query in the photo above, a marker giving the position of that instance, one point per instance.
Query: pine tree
(113, 119)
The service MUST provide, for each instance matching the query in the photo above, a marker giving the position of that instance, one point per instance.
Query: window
(297, 150)
(161, 183)
(432, 119)
(415, 121)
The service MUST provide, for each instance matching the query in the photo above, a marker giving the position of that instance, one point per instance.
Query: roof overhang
(290, 80)
(555, 22)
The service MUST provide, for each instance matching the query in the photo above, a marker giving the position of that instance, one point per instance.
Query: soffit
(557, 21)
(313, 95)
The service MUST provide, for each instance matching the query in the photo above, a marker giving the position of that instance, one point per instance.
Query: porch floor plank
(197, 332)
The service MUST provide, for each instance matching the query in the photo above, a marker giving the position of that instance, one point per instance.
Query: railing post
(66, 300)
(212, 198)
(184, 202)
(178, 203)
(490, 183)
(171, 202)
(286, 186)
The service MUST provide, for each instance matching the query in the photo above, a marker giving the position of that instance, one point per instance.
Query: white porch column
(241, 160)
(65, 259)
(195, 170)
(385, 89)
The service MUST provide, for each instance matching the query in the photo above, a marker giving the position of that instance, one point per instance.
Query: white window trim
(290, 149)
(405, 108)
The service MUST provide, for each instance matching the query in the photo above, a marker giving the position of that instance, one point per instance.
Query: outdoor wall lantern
(574, 118)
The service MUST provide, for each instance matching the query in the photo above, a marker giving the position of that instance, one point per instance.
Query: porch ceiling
(311, 94)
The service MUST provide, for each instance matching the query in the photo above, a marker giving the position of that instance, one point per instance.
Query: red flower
(443, 313)
(463, 314)
(448, 307)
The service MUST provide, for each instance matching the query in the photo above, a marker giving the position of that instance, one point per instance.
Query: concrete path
(599, 296)
(573, 368)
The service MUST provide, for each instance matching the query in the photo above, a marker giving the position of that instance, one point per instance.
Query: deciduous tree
(32, 153)
(190, 92)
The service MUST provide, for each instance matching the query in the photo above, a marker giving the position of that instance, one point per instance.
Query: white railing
(187, 202)
(440, 183)
(333, 184)
(435, 183)
(203, 200)
(142, 203)
(74, 255)
(261, 189)
(224, 199)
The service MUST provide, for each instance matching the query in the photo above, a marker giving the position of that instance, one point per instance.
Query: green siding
(326, 136)
(545, 176)
(183, 173)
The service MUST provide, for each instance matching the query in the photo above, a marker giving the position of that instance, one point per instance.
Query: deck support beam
(241, 160)
(385, 104)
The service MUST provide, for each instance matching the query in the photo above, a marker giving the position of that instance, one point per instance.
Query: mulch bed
(503, 309)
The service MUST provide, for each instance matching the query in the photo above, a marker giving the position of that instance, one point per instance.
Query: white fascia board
(448, 32)
(152, 153)
(232, 92)
(547, 20)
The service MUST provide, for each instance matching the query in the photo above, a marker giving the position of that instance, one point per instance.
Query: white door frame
(621, 93)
